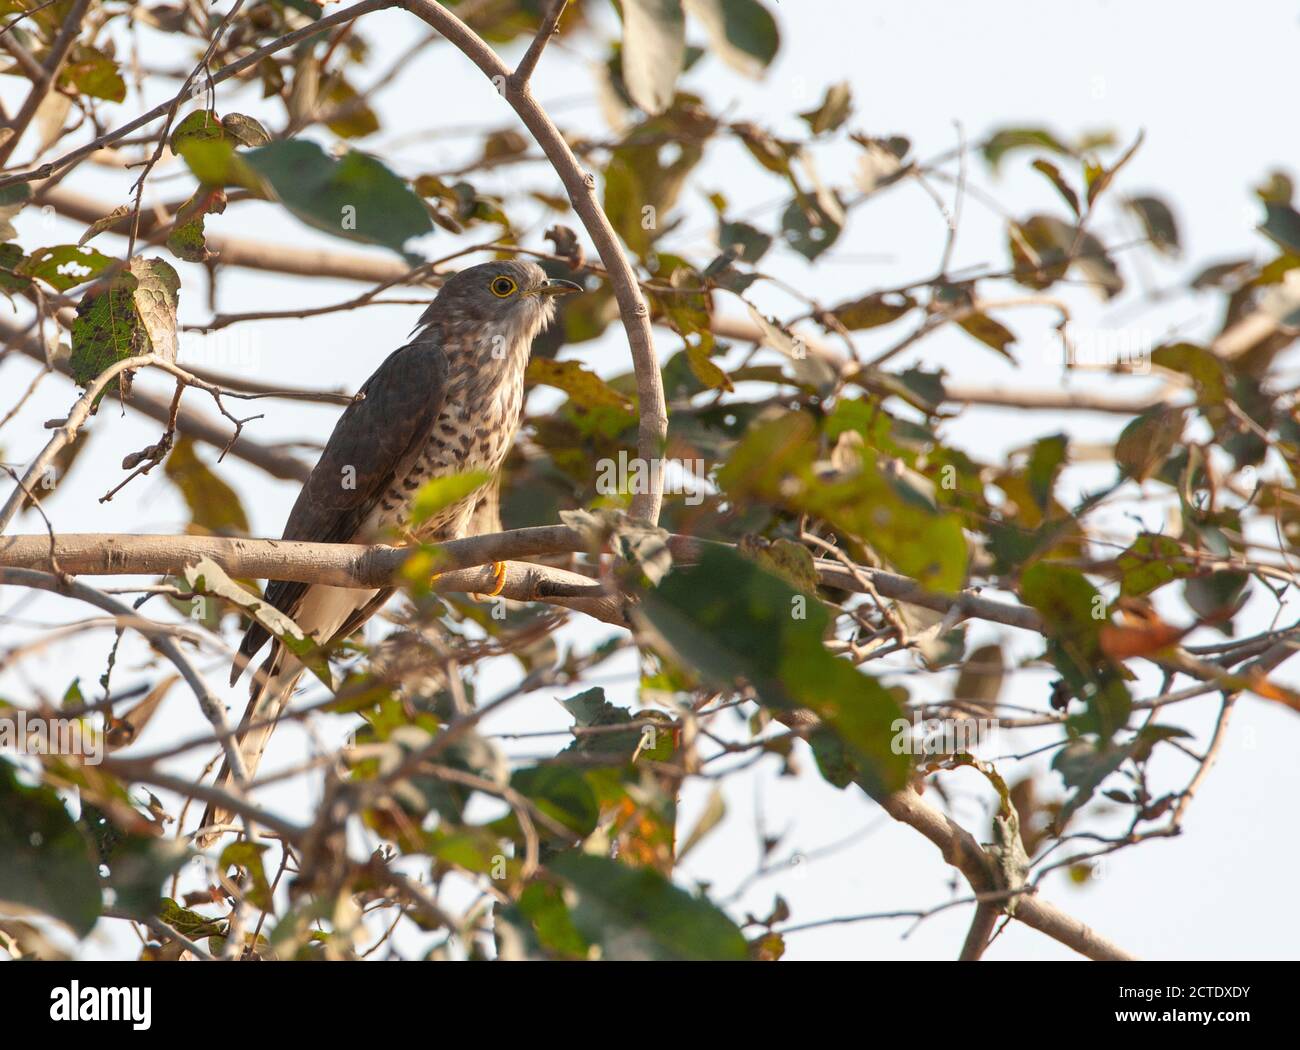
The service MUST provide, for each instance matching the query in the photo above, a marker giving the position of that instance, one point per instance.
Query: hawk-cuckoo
(448, 402)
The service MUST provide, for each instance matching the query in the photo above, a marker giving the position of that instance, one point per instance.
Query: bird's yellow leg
(499, 575)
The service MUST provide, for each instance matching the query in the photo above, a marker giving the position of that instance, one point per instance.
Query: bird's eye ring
(502, 286)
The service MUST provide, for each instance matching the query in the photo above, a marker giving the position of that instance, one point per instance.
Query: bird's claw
(499, 575)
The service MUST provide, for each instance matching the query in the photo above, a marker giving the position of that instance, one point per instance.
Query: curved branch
(581, 188)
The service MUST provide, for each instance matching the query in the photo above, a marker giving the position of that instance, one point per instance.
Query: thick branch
(960, 849)
(357, 565)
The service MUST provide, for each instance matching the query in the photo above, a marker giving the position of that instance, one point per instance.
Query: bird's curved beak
(550, 288)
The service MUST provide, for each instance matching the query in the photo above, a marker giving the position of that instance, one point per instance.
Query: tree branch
(960, 849)
(50, 72)
(550, 25)
(190, 422)
(225, 73)
(65, 434)
(358, 565)
(581, 188)
(158, 636)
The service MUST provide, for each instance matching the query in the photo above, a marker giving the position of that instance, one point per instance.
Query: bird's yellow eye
(502, 286)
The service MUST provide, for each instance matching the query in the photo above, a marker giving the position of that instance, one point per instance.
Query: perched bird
(448, 402)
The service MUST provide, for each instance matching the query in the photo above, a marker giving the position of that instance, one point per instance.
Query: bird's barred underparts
(447, 403)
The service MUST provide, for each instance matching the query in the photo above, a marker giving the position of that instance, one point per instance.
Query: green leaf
(106, 330)
(1053, 173)
(201, 125)
(1043, 248)
(13, 199)
(1216, 596)
(11, 259)
(353, 118)
(1203, 367)
(990, 333)
(635, 913)
(744, 242)
(1045, 461)
(742, 33)
(1074, 614)
(561, 792)
(793, 562)
(47, 861)
(188, 923)
(775, 463)
(729, 620)
(874, 310)
(543, 905)
(207, 576)
(440, 493)
(135, 313)
(187, 239)
(1147, 441)
(1008, 140)
(1282, 225)
(1151, 562)
(137, 867)
(248, 855)
(809, 227)
(1158, 222)
(355, 197)
(64, 266)
(93, 73)
(584, 387)
(654, 51)
(1084, 766)
(641, 187)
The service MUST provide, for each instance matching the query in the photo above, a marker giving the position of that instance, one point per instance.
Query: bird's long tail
(273, 688)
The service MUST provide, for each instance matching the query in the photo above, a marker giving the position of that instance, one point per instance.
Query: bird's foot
(499, 575)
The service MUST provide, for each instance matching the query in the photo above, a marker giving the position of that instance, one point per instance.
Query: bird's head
(499, 306)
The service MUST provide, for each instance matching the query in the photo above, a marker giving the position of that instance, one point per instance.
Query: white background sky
(1210, 86)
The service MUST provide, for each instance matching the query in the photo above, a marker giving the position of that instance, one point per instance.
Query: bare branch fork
(67, 430)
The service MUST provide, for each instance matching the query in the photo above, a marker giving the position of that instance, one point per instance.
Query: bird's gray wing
(394, 415)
